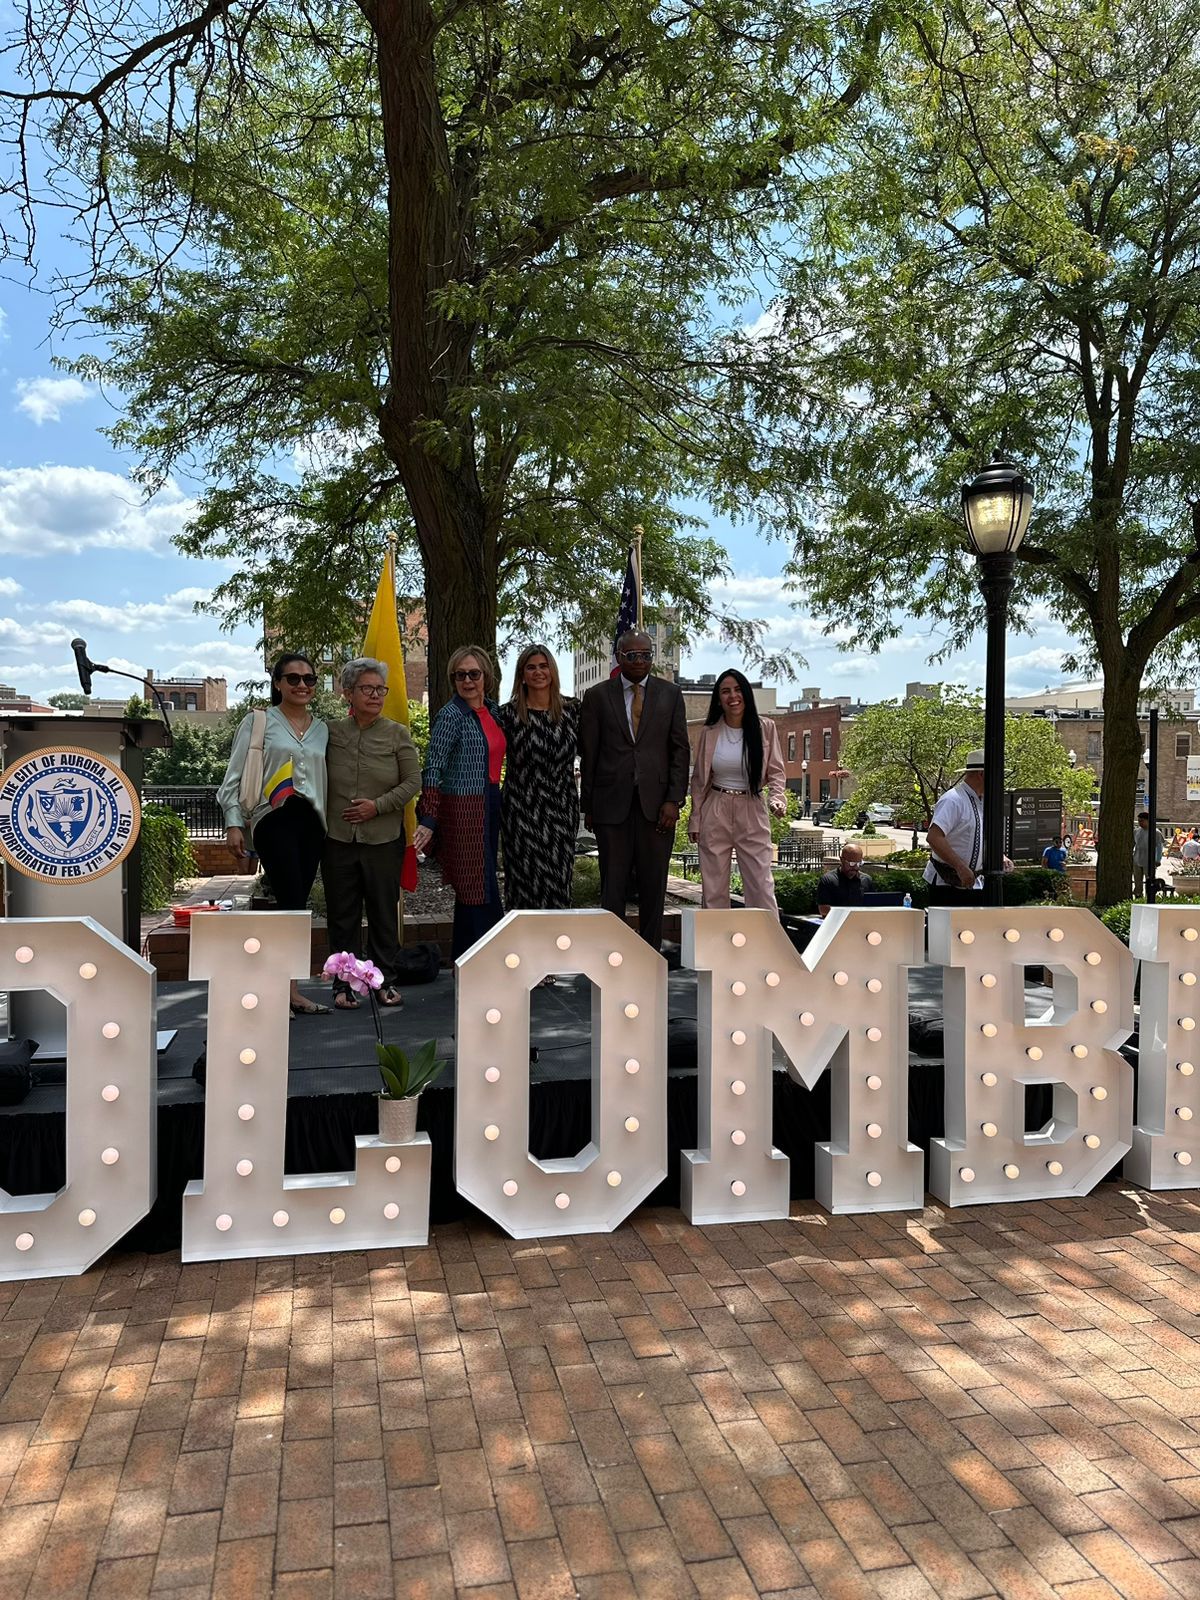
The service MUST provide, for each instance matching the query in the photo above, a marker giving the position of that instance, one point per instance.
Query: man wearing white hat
(955, 838)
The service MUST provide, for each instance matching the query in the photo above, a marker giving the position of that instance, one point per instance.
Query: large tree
(1005, 253)
(470, 257)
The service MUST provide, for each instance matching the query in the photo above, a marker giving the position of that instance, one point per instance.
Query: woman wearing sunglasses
(287, 820)
(459, 809)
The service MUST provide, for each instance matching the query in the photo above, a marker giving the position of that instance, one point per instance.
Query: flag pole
(637, 567)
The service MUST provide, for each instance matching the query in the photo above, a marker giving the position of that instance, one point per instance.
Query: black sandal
(391, 997)
(313, 1010)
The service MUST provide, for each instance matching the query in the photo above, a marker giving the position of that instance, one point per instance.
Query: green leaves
(405, 1076)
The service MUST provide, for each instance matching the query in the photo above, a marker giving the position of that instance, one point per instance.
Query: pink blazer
(773, 771)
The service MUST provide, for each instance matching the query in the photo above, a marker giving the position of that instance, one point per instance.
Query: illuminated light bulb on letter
(807, 1019)
(737, 1086)
(1011, 1169)
(737, 940)
(492, 1074)
(737, 1187)
(1189, 934)
(1092, 1140)
(1055, 935)
(841, 978)
(966, 937)
(1099, 1092)
(632, 1124)
(1012, 935)
(246, 1113)
(248, 1057)
(1187, 1023)
(491, 1131)
(988, 1129)
(392, 1164)
(24, 954)
(492, 1016)
(563, 941)
(874, 1131)
(874, 1179)
(738, 1136)
(1184, 1157)
(967, 1174)
(874, 986)
(223, 1223)
(1054, 1168)
(1079, 1051)
(110, 1092)
(111, 1030)
(281, 1219)
(1188, 979)
(1099, 1007)
(244, 1167)
(86, 1217)
(252, 946)
(874, 1081)
(614, 1180)
(1185, 1067)
(988, 1030)
(562, 1201)
(737, 987)
(88, 969)
(772, 980)
(737, 1036)
(874, 938)
(988, 1079)
(1184, 1113)
(110, 1157)
(391, 1211)
(1093, 958)
(988, 980)
(24, 1241)
(510, 1187)
(632, 1010)
(337, 1215)
(874, 1034)
(249, 1002)
(632, 1066)
(512, 960)
(615, 958)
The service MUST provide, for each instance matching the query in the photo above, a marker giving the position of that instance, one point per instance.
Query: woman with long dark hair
(286, 815)
(541, 800)
(737, 756)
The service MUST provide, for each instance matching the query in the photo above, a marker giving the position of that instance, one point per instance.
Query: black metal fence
(196, 804)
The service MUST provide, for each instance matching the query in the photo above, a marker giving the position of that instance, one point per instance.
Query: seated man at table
(846, 885)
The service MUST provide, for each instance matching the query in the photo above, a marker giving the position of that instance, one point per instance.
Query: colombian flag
(382, 643)
(279, 786)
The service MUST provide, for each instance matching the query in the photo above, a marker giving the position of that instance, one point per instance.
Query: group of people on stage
(333, 795)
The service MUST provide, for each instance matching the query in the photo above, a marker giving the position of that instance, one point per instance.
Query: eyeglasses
(296, 680)
(637, 655)
(468, 674)
(375, 690)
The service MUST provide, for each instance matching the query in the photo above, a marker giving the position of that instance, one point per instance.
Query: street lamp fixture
(996, 509)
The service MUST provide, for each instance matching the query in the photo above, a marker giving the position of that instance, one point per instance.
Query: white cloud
(1043, 664)
(23, 635)
(44, 399)
(327, 449)
(3, 325)
(133, 616)
(9, 587)
(217, 658)
(52, 510)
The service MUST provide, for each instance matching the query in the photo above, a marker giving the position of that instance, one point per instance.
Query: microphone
(83, 666)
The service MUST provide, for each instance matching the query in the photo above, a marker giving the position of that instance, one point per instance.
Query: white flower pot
(397, 1120)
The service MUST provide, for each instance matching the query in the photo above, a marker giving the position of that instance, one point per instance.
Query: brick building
(1177, 741)
(189, 694)
(812, 735)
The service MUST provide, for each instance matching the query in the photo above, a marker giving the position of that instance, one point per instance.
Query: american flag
(627, 611)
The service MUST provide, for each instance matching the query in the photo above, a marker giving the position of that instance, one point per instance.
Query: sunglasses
(469, 674)
(375, 690)
(637, 655)
(296, 680)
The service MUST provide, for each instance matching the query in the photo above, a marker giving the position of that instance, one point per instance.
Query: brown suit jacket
(613, 767)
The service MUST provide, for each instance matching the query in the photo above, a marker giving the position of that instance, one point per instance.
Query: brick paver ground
(1000, 1401)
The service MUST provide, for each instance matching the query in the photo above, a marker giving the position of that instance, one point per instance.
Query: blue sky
(83, 553)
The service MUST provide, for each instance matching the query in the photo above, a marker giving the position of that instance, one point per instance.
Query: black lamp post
(996, 508)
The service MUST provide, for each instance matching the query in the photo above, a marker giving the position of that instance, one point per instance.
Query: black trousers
(946, 894)
(358, 876)
(289, 842)
(635, 843)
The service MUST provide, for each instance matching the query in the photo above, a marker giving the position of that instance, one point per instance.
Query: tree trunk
(1118, 785)
(429, 247)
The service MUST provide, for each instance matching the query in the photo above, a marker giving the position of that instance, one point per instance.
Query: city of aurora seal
(66, 814)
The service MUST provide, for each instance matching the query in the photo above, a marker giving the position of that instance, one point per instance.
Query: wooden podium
(112, 898)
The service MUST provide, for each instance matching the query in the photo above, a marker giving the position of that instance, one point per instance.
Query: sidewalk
(997, 1401)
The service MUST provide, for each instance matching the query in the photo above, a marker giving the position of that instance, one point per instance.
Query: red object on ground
(182, 915)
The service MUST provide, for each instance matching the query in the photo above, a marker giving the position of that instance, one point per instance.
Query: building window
(1093, 747)
(1183, 746)
(824, 788)
(808, 747)
(827, 745)
(791, 747)
(189, 702)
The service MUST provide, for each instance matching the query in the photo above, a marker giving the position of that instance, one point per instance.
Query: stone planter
(1081, 880)
(397, 1119)
(1189, 887)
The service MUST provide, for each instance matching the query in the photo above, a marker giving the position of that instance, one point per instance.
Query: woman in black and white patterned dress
(541, 800)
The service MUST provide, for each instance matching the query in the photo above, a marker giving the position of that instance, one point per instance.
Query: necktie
(635, 713)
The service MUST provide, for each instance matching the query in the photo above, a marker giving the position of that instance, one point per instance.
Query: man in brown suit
(634, 760)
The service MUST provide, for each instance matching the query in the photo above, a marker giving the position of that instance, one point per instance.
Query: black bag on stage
(16, 1077)
(419, 963)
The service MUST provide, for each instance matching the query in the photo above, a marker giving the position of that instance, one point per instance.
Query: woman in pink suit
(737, 755)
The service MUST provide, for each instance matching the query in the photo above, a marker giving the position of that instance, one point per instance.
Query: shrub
(166, 855)
(907, 858)
(1116, 919)
(1026, 885)
(585, 882)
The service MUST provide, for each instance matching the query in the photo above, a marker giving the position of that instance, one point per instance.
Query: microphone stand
(86, 667)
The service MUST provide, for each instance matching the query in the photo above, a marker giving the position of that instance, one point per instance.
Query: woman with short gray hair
(374, 771)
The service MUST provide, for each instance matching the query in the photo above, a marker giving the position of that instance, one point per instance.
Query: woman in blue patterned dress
(541, 799)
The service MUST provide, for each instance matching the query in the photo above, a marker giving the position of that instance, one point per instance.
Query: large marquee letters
(1166, 1140)
(843, 1004)
(596, 1189)
(993, 1052)
(111, 1109)
(246, 1205)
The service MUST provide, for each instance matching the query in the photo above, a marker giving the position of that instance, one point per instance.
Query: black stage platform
(332, 1084)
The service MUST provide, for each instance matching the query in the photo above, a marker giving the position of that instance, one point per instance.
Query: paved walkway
(995, 1401)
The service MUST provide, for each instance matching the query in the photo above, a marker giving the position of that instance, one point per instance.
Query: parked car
(878, 813)
(826, 811)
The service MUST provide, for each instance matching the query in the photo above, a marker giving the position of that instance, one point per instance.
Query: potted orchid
(403, 1076)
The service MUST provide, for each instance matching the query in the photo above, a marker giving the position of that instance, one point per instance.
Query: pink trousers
(735, 823)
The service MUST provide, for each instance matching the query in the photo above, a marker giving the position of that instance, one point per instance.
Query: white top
(959, 814)
(729, 759)
(1190, 849)
(281, 744)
